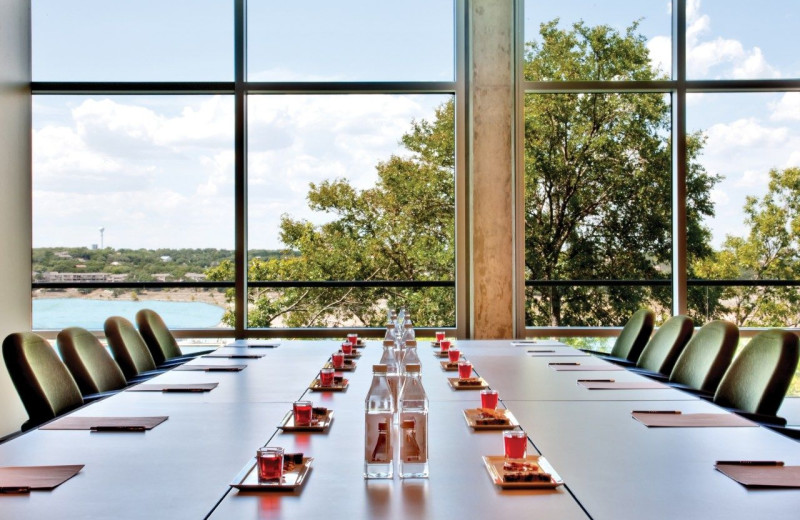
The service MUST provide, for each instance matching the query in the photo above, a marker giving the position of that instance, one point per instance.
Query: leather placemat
(690, 420)
(105, 423)
(762, 476)
(18, 478)
(174, 387)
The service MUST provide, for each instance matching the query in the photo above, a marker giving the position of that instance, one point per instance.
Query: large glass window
(340, 198)
(132, 40)
(351, 40)
(130, 189)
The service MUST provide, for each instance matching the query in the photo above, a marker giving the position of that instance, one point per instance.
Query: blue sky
(157, 171)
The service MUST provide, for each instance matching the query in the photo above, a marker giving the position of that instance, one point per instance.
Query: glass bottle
(413, 419)
(392, 370)
(378, 411)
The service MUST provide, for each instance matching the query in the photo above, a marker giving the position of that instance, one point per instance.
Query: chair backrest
(707, 356)
(43, 383)
(634, 335)
(759, 377)
(157, 336)
(128, 347)
(663, 349)
(89, 362)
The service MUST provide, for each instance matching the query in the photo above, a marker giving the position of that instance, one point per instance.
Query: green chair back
(87, 359)
(759, 377)
(634, 335)
(663, 349)
(157, 336)
(130, 351)
(43, 383)
(707, 356)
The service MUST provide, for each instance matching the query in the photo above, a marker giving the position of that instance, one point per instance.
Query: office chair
(706, 357)
(757, 380)
(160, 341)
(93, 368)
(129, 349)
(662, 351)
(632, 340)
(43, 383)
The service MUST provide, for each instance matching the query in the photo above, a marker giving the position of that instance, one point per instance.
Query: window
(144, 192)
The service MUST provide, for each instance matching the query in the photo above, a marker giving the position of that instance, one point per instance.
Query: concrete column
(491, 172)
(15, 191)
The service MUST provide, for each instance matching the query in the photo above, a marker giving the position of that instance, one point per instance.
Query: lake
(59, 313)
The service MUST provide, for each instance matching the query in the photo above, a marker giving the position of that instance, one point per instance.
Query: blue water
(58, 313)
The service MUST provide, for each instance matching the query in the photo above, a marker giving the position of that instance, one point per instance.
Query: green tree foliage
(400, 229)
(598, 181)
(597, 189)
(769, 251)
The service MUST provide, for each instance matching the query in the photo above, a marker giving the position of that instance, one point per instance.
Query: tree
(769, 251)
(598, 181)
(400, 229)
(597, 190)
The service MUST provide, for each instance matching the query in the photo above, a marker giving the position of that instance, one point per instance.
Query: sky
(157, 171)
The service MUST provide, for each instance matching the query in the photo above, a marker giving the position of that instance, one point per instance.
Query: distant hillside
(138, 264)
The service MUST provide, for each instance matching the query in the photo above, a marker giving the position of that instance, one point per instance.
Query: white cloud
(719, 197)
(752, 178)
(660, 51)
(787, 108)
(158, 172)
(720, 57)
(746, 133)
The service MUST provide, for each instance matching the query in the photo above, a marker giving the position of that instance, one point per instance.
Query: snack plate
(353, 355)
(472, 414)
(440, 354)
(345, 368)
(449, 367)
(316, 387)
(455, 385)
(287, 424)
(360, 344)
(247, 479)
(494, 466)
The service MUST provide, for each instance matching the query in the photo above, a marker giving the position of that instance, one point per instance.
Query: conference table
(612, 465)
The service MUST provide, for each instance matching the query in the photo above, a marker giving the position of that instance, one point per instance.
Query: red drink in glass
(453, 355)
(353, 339)
(444, 345)
(270, 464)
(326, 377)
(516, 444)
(489, 399)
(464, 369)
(337, 359)
(347, 347)
(302, 413)
(439, 336)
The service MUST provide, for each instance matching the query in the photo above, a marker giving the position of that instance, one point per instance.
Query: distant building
(161, 277)
(82, 277)
(62, 254)
(166, 258)
(195, 277)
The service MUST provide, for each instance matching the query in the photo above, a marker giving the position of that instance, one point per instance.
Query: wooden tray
(315, 386)
(247, 479)
(449, 367)
(494, 466)
(454, 384)
(472, 414)
(287, 424)
(345, 368)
